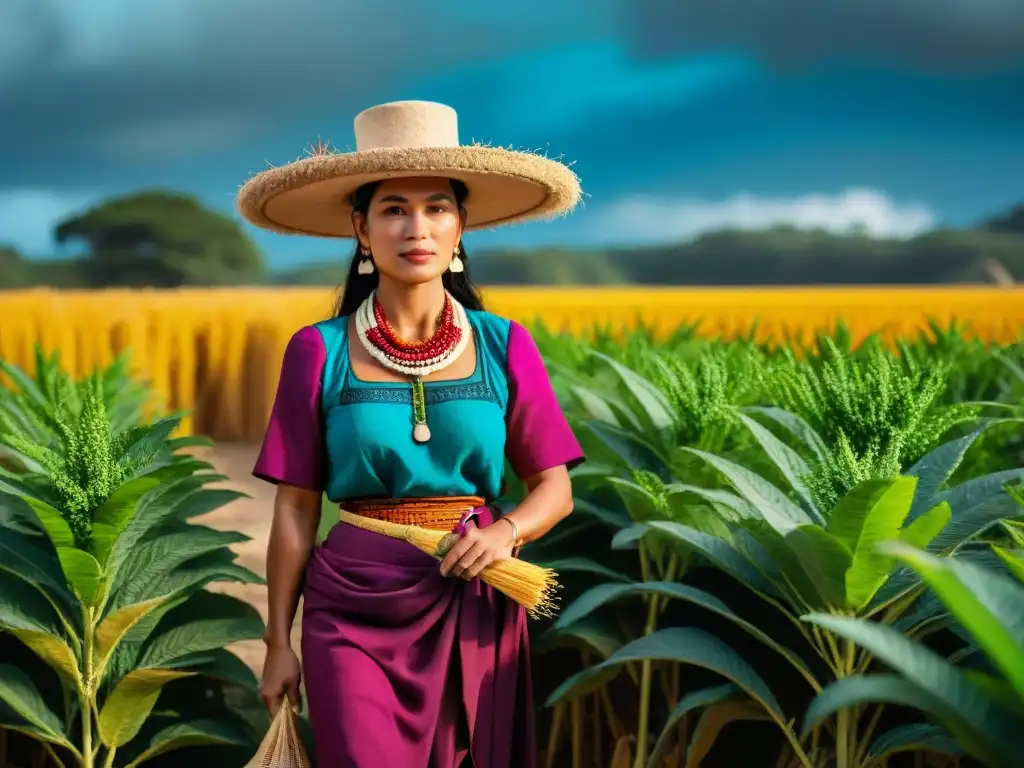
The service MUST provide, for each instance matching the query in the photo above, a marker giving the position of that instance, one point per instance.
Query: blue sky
(679, 117)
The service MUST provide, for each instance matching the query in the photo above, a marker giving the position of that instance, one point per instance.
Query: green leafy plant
(976, 711)
(660, 442)
(800, 558)
(635, 424)
(102, 577)
(31, 404)
(795, 563)
(876, 412)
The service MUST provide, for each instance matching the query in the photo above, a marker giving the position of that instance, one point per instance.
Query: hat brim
(311, 196)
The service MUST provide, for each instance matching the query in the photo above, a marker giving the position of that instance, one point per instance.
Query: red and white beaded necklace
(411, 358)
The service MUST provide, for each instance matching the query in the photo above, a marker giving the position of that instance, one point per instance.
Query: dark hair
(357, 287)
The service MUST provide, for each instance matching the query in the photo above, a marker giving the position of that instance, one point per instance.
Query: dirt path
(252, 517)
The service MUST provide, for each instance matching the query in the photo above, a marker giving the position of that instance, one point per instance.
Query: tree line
(165, 239)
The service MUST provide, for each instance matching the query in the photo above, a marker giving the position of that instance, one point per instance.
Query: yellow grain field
(218, 352)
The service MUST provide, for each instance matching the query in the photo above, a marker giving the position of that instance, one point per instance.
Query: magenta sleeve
(292, 450)
(539, 436)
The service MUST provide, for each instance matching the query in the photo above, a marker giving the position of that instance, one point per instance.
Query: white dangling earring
(366, 263)
(456, 264)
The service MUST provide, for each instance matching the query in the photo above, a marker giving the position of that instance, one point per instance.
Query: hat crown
(407, 125)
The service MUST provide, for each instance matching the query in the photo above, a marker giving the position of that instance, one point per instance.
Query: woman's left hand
(477, 548)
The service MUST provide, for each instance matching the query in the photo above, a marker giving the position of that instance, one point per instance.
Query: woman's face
(411, 228)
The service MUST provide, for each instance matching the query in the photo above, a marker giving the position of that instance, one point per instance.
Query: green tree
(163, 239)
(1011, 221)
(14, 271)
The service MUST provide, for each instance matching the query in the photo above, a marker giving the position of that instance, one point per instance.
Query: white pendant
(456, 265)
(365, 267)
(421, 433)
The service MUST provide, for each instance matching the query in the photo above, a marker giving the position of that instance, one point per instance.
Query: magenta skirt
(405, 668)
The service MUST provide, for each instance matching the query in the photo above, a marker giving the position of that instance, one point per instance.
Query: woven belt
(439, 513)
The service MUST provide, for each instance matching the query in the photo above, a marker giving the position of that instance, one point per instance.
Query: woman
(405, 407)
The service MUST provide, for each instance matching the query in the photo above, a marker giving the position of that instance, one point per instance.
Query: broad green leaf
(719, 551)
(592, 633)
(885, 499)
(642, 507)
(996, 687)
(713, 720)
(55, 525)
(977, 504)
(797, 426)
(23, 606)
(799, 584)
(114, 514)
(627, 450)
(17, 516)
(824, 558)
(923, 530)
(192, 733)
(987, 604)
(603, 594)
(781, 513)
(82, 571)
(128, 651)
(130, 703)
(115, 626)
(594, 405)
(984, 728)
(641, 504)
(696, 700)
(856, 690)
(142, 575)
(788, 461)
(1014, 561)
(151, 439)
(55, 652)
(871, 513)
(23, 383)
(204, 622)
(737, 504)
(584, 565)
(184, 584)
(154, 508)
(684, 645)
(935, 468)
(612, 518)
(206, 500)
(19, 693)
(219, 664)
(205, 569)
(16, 485)
(1015, 528)
(189, 441)
(655, 406)
(915, 737)
(21, 556)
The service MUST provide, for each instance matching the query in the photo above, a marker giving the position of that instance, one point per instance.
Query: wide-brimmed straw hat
(405, 139)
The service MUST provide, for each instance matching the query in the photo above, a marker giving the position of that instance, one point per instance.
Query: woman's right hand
(281, 675)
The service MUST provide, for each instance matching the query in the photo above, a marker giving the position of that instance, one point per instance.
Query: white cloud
(29, 216)
(177, 135)
(647, 219)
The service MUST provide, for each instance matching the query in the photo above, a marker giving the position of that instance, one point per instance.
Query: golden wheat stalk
(530, 585)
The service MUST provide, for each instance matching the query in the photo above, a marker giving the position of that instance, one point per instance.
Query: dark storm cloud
(936, 35)
(115, 76)
(118, 80)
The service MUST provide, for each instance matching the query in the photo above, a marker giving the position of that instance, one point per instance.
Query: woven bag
(282, 747)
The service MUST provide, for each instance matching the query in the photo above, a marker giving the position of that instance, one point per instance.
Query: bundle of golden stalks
(530, 585)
